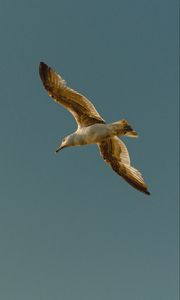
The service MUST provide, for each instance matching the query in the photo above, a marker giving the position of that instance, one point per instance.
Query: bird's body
(92, 134)
(96, 133)
(92, 129)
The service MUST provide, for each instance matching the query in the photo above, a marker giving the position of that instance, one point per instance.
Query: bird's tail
(122, 127)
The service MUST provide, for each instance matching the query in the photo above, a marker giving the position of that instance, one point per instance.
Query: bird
(92, 128)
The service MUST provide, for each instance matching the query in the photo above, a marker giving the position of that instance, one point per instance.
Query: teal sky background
(70, 228)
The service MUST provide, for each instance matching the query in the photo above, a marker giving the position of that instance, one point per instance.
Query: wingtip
(147, 192)
(43, 68)
(42, 64)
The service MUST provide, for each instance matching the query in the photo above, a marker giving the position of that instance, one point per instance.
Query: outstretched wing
(81, 108)
(115, 154)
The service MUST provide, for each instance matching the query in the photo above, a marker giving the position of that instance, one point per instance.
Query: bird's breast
(92, 134)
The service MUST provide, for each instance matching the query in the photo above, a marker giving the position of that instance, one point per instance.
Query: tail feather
(122, 127)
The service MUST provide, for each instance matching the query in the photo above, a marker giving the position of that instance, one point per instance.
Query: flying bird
(92, 128)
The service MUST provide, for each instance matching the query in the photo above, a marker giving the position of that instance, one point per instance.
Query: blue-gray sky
(70, 228)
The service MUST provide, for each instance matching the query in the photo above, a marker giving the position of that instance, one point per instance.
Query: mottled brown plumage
(81, 108)
(112, 149)
(116, 155)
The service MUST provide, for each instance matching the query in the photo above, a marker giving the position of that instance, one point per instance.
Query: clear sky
(70, 228)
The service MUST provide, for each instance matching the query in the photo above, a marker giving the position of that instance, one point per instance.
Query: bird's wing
(81, 108)
(115, 154)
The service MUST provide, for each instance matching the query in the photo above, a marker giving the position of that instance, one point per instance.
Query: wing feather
(116, 155)
(80, 107)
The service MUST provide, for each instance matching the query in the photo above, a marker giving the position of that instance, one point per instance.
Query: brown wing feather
(116, 155)
(81, 108)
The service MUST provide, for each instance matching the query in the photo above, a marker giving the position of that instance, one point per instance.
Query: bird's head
(66, 142)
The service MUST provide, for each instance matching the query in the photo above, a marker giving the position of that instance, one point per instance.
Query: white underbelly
(93, 134)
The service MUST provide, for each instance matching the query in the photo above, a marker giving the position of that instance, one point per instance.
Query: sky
(70, 227)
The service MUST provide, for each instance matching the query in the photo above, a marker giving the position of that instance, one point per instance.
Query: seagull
(92, 129)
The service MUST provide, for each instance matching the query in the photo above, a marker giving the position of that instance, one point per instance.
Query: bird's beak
(60, 148)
